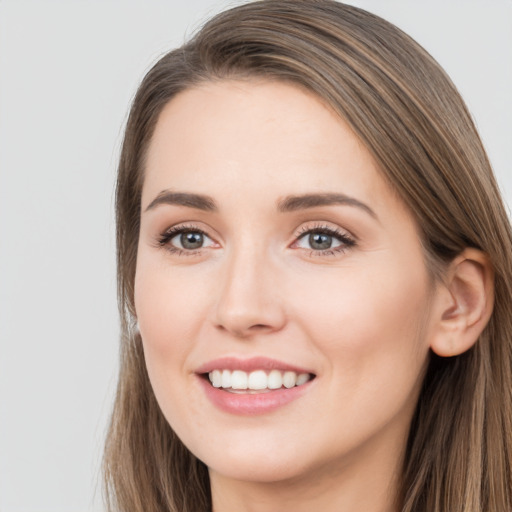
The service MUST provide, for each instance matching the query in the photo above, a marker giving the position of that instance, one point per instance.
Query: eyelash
(166, 237)
(346, 240)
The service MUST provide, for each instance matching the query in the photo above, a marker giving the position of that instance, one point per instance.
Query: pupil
(191, 240)
(320, 241)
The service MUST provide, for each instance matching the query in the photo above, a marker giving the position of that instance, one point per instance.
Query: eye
(188, 240)
(185, 239)
(323, 240)
(320, 241)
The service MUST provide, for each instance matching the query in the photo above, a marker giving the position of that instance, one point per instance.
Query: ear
(463, 304)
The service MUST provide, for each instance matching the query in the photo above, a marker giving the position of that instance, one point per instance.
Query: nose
(249, 300)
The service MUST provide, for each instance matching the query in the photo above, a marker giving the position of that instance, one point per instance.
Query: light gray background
(68, 70)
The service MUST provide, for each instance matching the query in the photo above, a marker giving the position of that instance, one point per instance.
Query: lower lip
(252, 404)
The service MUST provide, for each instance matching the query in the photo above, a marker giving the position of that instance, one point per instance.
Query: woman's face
(273, 255)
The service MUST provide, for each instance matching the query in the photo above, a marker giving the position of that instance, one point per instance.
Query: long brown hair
(407, 112)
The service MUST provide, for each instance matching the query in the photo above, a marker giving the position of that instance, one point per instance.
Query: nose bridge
(248, 301)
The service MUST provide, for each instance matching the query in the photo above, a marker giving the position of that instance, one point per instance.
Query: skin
(359, 318)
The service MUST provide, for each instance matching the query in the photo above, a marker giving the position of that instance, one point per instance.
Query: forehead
(257, 137)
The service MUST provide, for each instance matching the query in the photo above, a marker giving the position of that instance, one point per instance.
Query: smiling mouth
(257, 381)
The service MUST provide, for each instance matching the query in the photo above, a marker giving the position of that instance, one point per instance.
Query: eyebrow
(302, 202)
(197, 201)
(288, 204)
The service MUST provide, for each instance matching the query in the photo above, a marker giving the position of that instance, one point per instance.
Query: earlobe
(464, 304)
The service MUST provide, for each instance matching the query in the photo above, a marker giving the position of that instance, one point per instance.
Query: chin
(247, 458)
(260, 469)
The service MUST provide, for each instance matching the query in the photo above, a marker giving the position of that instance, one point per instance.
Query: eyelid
(164, 238)
(345, 238)
(342, 235)
(323, 226)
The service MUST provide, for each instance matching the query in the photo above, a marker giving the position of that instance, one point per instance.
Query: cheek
(369, 327)
(167, 312)
(363, 315)
(166, 308)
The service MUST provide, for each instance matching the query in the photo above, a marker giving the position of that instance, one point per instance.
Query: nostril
(246, 332)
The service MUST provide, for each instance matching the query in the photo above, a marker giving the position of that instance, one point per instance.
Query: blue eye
(185, 238)
(323, 239)
(190, 240)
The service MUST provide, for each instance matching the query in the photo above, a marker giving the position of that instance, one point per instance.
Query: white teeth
(302, 379)
(289, 379)
(216, 378)
(256, 380)
(238, 379)
(275, 379)
(226, 379)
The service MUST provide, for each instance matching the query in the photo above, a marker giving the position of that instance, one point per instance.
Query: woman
(314, 277)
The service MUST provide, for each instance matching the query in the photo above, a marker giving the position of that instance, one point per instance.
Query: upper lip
(248, 365)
